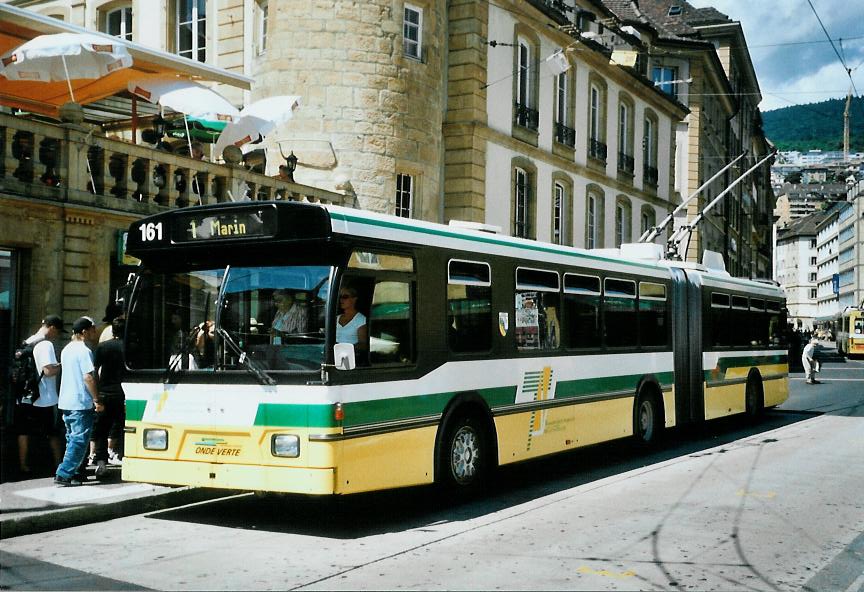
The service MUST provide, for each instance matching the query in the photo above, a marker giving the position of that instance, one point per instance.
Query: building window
(812, 243)
(522, 210)
(663, 77)
(647, 220)
(560, 214)
(412, 32)
(118, 22)
(649, 151)
(594, 206)
(622, 221)
(404, 195)
(261, 13)
(596, 140)
(564, 132)
(812, 260)
(812, 277)
(626, 162)
(191, 33)
(812, 293)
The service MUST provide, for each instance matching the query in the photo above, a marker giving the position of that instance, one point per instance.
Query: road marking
(756, 494)
(833, 379)
(606, 573)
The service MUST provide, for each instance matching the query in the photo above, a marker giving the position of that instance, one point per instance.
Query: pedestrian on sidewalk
(40, 417)
(112, 311)
(808, 359)
(79, 394)
(108, 430)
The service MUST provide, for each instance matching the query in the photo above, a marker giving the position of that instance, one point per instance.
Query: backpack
(24, 376)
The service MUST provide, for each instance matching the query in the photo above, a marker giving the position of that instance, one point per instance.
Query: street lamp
(291, 166)
(159, 125)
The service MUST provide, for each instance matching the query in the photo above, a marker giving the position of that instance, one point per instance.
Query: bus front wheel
(464, 453)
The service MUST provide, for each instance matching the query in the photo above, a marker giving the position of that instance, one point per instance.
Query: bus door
(687, 346)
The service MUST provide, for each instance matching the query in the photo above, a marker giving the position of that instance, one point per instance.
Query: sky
(794, 62)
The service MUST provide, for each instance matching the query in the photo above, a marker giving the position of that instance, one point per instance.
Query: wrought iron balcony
(597, 149)
(526, 117)
(565, 135)
(651, 175)
(66, 163)
(626, 164)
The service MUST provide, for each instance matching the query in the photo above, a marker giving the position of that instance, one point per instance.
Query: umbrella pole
(194, 177)
(68, 81)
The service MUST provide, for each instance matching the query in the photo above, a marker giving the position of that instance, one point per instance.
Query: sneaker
(114, 459)
(101, 468)
(64, 482)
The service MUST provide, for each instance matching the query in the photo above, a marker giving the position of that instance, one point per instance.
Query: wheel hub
(463, 460)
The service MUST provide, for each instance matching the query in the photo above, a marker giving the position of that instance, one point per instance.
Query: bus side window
(390, 321)
(653, 325)
(582, 311)
(469, 306)
(720, 318)
(619, 313)
(537, 300)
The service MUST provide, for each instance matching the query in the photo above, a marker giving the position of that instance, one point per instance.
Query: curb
(92, 513)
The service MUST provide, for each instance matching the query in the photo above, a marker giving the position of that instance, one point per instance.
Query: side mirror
(343, 356)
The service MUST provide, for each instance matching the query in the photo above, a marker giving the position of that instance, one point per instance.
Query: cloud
(790, 67)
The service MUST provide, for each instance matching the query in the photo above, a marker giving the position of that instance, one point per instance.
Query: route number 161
(151, 231)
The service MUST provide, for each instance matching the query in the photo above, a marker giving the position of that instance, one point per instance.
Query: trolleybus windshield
(275, 315)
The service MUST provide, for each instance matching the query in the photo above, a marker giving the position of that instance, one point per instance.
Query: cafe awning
(18, 25)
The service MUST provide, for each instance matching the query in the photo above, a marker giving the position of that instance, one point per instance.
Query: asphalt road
(775, 506)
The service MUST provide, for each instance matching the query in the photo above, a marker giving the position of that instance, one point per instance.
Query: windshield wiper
(251, 365)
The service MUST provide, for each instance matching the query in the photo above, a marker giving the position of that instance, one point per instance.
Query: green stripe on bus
(366, 412)
(277, 415)
(725, 364)
(135, 409)
(568, 389)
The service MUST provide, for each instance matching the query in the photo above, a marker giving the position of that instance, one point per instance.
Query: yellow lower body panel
(721, 401)
(220, 476)
(384, 461)
(776, 391)
(535, 433)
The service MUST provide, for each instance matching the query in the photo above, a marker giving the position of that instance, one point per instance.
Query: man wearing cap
(79, 394)
(808, 359)
(40, 418)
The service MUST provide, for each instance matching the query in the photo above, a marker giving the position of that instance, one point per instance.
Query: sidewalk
(37, 505)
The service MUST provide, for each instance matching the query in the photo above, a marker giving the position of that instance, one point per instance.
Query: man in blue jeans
(79, 394)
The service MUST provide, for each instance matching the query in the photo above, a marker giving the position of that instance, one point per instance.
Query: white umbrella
(186, 97)
(65, 56)
(258, 118)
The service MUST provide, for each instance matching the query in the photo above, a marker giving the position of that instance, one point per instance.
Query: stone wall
(367, 112)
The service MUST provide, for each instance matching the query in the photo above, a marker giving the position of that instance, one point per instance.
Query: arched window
(526, 84)
(649, 149)
(647, 219)
(117, 21)
(623, 221)
(597, 119)
(625, 135)
(562, 207)
(523, 198)
(594, 217)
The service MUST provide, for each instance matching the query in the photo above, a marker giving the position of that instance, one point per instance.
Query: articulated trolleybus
(470, 349)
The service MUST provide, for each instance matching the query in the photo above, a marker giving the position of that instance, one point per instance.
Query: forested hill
(815, 126)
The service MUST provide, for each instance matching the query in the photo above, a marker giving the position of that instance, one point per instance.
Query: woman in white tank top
(351, 324)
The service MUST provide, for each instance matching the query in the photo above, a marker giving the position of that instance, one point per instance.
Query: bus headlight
(285, 445)
(156, 439)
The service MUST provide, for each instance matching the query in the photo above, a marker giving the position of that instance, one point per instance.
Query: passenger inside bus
(351, 323)
(291, 316)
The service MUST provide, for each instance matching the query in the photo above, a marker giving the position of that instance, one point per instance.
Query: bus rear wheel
(464, 456)
(647, 419)
(754, 397)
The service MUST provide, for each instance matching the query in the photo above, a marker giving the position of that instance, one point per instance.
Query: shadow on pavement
(362, 515)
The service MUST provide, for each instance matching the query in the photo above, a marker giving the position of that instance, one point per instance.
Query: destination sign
(238, 224)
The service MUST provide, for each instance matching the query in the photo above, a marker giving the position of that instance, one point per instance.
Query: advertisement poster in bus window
(527, 320)
(503, 323)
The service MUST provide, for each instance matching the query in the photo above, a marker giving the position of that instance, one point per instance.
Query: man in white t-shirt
(79, 394)
(41, 417)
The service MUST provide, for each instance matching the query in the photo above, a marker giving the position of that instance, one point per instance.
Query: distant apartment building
(827, 267)
(796, 201)
(850, 245)
(796, 257)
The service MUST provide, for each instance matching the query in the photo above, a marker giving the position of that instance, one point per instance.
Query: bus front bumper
(230, 476)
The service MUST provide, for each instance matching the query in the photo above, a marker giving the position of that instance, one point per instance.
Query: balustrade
(72, 164)
(597, 149)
